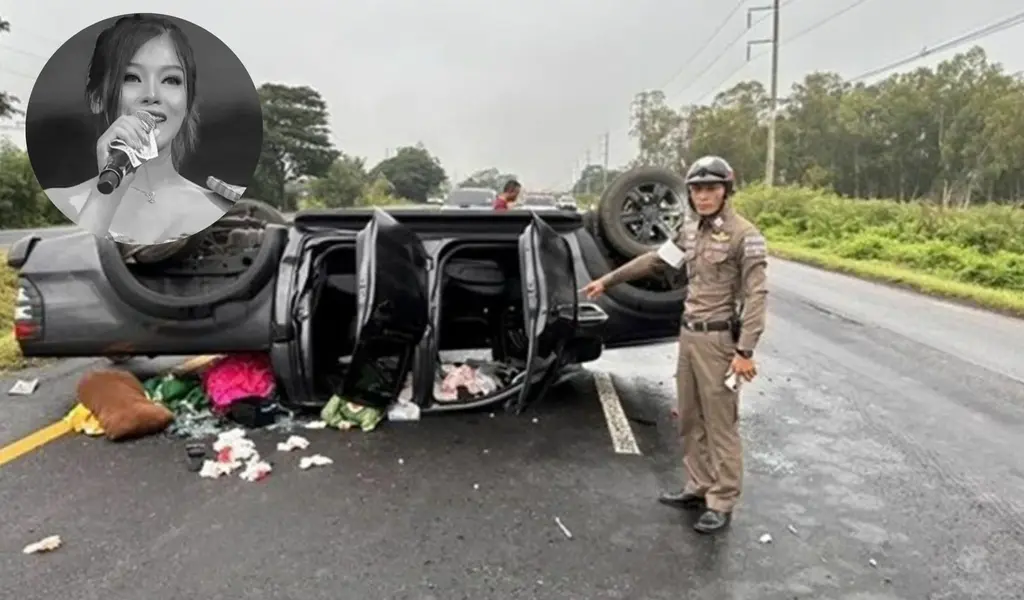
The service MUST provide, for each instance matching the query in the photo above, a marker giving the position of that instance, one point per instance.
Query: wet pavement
(883, 457)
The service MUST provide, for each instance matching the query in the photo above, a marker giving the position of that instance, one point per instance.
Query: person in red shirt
(507, 198)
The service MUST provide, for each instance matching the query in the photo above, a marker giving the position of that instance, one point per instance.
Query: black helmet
(711, 169)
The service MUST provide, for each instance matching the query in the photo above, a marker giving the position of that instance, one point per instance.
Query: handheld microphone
(123, 159)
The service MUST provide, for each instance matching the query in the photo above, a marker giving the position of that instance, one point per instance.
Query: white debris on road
(235, 451)
(564, 529)
(44, 545)
(255, 470)
(23, 387)
(316, 425)
(295, 442)
(404, 410)
(317, 460)
(766, 538)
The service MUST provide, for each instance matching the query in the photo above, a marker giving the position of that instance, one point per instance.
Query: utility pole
(586, 168)
(604, 172)
(769, 163)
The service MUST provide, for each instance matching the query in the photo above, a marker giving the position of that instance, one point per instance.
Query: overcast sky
(528, 86)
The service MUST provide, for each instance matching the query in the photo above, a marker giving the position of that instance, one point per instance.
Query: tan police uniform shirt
(725, 260)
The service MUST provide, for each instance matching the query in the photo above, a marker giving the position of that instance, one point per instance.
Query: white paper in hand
(671, 254)
(732, 381)
(136, 157)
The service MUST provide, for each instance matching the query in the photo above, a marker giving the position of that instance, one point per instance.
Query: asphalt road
(883, 457)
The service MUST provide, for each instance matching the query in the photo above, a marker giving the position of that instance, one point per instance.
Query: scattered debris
(232, 446)
(344, 414)
(476, 486)
(404, 410)
(766, 538)
(316, 425)
(48, 544)
(235, 451)
(294, 442)
(401, 461)
(317, 460)
(791, 529)
(23, 387)
(81, 420)
(873, 562)
(196, 454)
(564, 529)
(255, 470)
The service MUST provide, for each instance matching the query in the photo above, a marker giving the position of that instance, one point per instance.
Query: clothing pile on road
(236, 388)
(240, 389)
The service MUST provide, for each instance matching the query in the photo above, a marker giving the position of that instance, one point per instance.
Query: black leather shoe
(712, 521)
(682, 499)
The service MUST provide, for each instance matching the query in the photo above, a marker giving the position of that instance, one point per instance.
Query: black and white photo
(144, 128)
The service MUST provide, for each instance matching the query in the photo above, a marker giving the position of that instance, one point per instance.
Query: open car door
(392, 313)
(551, 307)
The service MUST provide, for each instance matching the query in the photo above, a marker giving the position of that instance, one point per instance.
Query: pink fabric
(238, 376)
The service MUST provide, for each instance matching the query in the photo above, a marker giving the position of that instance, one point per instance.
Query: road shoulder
(1005, 302)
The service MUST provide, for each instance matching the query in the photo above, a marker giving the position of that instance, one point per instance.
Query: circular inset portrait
(144, 128)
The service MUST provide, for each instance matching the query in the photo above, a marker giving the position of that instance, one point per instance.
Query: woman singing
(143, 63)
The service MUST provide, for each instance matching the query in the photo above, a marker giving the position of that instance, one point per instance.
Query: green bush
(981, 245)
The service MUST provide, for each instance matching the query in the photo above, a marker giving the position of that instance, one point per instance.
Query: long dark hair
(115, 48)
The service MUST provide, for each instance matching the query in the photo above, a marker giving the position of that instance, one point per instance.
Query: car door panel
(392, 314)
(551, 306)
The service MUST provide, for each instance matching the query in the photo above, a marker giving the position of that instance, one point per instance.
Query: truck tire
(612, 207)
(596, 260)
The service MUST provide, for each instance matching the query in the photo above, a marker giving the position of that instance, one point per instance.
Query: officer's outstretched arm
(753, 267)
(641, 266)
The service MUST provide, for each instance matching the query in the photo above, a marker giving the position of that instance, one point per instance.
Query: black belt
(704, 327)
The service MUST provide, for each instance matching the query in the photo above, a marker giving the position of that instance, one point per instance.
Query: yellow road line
(33, 440)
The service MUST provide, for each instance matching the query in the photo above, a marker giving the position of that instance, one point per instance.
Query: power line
(703, 45)
(728, 46)
(793, 38)
(22, 52)
(958, 41)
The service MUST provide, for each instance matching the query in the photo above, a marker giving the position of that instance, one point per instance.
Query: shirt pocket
(715, 261)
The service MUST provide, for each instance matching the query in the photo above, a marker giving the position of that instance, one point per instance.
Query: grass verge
(10, 354)
(1008, 302)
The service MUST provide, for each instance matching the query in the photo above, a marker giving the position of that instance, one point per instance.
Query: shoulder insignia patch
(754, 245)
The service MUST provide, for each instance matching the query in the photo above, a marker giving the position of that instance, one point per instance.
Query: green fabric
(183, 394)
(344, 414)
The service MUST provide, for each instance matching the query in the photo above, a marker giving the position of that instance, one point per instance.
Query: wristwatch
(745, 353)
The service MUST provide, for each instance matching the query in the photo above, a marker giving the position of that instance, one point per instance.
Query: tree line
(953, 134)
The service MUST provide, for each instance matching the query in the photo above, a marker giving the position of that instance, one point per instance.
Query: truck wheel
(642, 209)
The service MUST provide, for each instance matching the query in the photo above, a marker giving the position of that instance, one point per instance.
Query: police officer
(725, 259)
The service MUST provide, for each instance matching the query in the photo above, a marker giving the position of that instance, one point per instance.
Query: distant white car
(544, 201)
(470, 199)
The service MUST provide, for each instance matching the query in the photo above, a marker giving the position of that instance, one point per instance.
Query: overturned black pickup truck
(365, 303)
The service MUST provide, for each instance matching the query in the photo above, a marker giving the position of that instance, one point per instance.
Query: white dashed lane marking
(618, 426)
